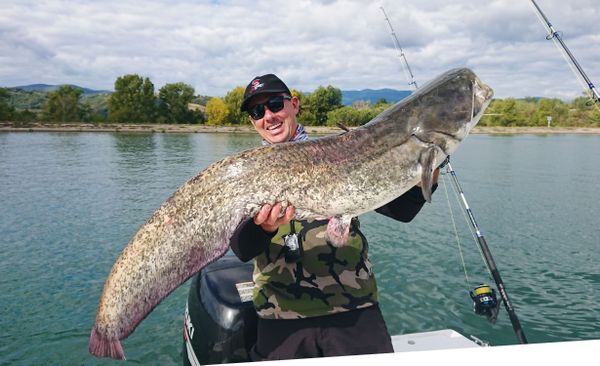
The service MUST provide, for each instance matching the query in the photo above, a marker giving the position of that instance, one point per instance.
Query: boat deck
(427, 341)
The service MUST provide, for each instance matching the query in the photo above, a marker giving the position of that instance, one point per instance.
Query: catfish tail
(101, 347)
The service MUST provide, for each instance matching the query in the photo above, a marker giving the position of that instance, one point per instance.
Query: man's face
(276, 127)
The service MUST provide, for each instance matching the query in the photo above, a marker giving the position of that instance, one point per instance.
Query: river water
(71, 201)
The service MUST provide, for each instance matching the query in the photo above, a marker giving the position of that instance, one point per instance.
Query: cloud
(217, 45)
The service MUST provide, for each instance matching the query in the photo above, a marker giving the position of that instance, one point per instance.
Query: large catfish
(334, 177)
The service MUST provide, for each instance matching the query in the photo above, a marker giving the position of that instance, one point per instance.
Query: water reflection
(134, 161)
(177, 148)
(243, 142)
(135, 149)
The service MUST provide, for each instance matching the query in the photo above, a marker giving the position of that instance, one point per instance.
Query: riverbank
(320, 130)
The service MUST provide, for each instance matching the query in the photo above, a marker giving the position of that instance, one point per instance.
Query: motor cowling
(220, 319)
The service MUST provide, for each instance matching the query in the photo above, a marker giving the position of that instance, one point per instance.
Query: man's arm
(407, 206)
(249, 240)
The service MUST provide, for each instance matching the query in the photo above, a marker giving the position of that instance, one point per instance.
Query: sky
(215, 46)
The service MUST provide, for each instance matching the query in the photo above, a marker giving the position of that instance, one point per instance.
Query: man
(312, 298)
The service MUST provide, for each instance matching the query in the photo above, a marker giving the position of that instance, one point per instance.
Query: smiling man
(273, 110)
(312, 299)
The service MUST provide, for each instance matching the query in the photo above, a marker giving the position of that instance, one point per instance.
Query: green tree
(63, 105)
(502, 112)
(322, 101)
(553, 108)
(6, 110)
(201, 99)
(350, 116)
(582, 103)
(133, 100)
(305, 116)
(216, 111)
(233, 100)
(25, 116)
(582, 111)
(594, 117)
(382, 101)
(173, 101)
(97, 106)
(525, 111)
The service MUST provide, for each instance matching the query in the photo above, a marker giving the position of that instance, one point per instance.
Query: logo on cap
(255, 85)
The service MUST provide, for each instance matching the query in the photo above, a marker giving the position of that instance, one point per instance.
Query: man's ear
(296, 104)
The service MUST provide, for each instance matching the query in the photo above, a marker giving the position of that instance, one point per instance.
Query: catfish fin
(101, 347)
(427, 160)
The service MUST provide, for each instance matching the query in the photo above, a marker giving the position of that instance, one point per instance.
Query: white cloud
(217, 45)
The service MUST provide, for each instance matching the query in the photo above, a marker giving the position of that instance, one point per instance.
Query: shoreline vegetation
(136, 103)
(200, 128)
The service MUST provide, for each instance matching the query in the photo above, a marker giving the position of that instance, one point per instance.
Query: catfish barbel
(336, 177)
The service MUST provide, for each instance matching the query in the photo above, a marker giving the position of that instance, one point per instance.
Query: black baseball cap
(264, 84)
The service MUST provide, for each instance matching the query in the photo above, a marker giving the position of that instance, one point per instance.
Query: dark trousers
(361, 331)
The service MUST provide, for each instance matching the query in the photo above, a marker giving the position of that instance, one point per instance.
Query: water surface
(71, 201)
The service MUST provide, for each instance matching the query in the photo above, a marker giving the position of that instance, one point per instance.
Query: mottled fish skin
(334, 177)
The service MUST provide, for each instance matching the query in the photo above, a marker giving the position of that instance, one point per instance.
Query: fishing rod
(556, 36)
(484, 298)
(406, 66)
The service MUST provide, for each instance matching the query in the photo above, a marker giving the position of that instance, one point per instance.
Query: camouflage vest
(325, 280)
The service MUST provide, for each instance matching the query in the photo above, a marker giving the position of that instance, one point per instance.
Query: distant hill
(32, 96)
(373, 95)
(45, 88)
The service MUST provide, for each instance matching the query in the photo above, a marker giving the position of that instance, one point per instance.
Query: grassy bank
(182, 128)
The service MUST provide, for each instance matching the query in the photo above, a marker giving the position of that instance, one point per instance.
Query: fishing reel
(485, 302)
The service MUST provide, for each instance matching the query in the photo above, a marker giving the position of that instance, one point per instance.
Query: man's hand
(269, 218)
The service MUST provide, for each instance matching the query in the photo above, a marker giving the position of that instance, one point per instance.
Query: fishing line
(473, 234)
(405, 65)
(460, 252)
(480, 294)
(552, 36)
(484, 290)
(589, 93)
(472, 103)
(456, 195)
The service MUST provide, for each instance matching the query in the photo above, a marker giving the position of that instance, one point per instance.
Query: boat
(220, 319)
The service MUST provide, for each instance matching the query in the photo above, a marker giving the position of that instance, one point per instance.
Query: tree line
(529, 112)
(135, 101)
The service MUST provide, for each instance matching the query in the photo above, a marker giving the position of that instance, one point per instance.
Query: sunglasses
(274, 104)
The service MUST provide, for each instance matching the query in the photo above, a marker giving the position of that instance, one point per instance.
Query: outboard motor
(220, 320)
